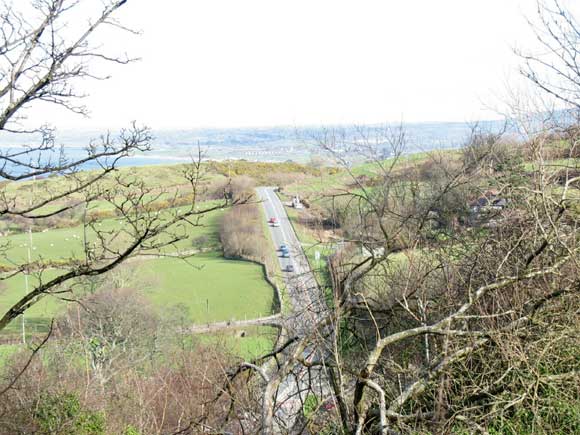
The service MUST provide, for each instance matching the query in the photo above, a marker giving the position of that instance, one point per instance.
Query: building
(296, 202)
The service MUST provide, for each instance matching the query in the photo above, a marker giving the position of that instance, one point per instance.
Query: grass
(37, 317)
(231, 290)
(66, 243)
(257, 341)
(209, 286)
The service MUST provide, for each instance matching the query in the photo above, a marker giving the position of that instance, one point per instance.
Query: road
(308, 305)
(308, 309)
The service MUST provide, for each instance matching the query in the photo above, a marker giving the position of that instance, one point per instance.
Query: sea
(272, 144)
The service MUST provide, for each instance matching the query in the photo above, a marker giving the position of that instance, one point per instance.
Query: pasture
(63, 244)
(209, 286)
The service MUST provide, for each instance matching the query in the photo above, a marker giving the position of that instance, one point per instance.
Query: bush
(241, 233)
(488, 152)
(63, 414)
(131, 431)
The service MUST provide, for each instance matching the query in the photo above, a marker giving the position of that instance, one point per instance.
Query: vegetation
(210, 287)
(451, 277)
(127, 371)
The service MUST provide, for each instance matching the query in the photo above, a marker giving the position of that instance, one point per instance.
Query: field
(37, 318)
(204, 288)
(248, 343)
(65, 243)
(209, 286)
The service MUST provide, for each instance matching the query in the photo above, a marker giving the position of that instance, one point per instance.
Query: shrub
(131, 431)
(241, 233)
(63, 414)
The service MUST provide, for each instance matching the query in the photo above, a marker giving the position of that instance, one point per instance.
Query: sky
(233, 63)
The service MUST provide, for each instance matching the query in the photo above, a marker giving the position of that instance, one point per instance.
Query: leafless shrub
(241, 233)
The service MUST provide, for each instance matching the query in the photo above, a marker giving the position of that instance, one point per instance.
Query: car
(290, 268)
(286, 254)
(276, 224)
(283, 248)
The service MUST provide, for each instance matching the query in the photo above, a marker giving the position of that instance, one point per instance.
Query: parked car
(290, 268)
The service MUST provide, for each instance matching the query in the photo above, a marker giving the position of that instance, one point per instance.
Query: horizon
(285, 126)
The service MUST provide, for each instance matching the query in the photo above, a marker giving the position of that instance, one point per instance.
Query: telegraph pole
(26, 285)
(29, 249)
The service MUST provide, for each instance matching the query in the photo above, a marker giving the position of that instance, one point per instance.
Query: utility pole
(26, 284)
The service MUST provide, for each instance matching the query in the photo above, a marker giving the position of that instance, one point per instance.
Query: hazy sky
(270, 62)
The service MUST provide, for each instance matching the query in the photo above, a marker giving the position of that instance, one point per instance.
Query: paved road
(308, 308)
(307, 301)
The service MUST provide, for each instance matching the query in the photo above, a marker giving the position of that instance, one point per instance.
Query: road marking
(307, 274)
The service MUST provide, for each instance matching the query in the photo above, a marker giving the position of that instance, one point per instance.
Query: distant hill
(261, 144)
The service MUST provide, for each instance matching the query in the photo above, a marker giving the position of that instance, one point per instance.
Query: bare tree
(47, 47)
(553, 67)
(473, 329)
(438, 327)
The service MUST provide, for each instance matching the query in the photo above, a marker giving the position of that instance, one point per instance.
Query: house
(489, 201)
(296, 202)
(485, 210)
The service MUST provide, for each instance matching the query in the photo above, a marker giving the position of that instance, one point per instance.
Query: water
(263, 144)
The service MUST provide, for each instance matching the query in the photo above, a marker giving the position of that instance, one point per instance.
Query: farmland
(204, 286)
(209, 287)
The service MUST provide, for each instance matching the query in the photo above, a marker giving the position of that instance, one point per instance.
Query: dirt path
(273, 320)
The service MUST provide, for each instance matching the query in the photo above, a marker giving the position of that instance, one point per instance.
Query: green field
(257, 341)
(209, 286)
(206, 287)
(38, 316)
(66, 243)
